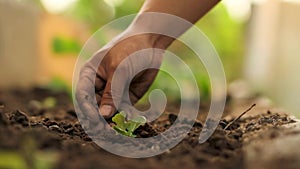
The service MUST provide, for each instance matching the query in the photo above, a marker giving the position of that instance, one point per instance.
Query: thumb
(111, 97)
(107, 108)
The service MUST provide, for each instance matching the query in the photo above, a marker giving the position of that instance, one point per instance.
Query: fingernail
(106, 111)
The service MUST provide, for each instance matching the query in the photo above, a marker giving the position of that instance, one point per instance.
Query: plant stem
(236, 119)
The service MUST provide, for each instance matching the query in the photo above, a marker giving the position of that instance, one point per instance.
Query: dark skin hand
(117, 56)
(140, 82)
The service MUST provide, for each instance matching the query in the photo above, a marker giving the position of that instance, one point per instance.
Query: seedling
(127, 127)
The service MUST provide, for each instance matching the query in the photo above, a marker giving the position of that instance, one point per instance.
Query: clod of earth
(19, 117)
(3, 119)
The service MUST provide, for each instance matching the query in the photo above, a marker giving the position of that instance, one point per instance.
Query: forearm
(161, 25)
(190, 10)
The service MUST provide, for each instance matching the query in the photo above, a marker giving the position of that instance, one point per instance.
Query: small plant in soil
(127, 127)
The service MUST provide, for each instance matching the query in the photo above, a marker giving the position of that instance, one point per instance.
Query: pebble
(55, 128)
(3, 119)
(19, 117)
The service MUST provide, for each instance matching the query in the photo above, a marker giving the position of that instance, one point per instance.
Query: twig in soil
(236, 119)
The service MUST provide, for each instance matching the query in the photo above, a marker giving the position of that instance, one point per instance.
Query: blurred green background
(223, 30)
(257, 41)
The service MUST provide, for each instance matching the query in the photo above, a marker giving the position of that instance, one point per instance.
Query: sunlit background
(258, 41)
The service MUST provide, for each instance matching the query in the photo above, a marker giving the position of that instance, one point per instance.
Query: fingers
(141, 84)
(107, 107)
(113, 93)
(84, 97)
(118, 77)
(99, 87)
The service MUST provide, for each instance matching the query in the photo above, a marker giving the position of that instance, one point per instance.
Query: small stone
(72, 113)
(69, 130)
(50, 123)
(35, 105)
(198, 124)
(172, 118)
(19, 117)
(3, 119)
(55, 128)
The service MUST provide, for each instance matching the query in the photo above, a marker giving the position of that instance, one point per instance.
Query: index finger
(85, 99)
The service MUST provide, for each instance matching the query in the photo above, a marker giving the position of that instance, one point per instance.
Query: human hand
(120, 72)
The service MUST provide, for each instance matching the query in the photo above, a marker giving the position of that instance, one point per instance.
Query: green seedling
(127, 127)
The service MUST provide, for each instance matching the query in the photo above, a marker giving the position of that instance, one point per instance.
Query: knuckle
(82, 96)
(86, 71)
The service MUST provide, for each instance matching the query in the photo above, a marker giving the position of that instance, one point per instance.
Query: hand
(119, 82)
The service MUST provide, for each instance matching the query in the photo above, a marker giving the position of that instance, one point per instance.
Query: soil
(23, 117)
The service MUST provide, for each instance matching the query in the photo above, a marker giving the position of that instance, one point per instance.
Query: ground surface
(33, 132)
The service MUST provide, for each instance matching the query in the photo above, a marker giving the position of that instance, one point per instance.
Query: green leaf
(127, 127)
(139, 119)
(121, 131)
(135, 123)
(119, 119)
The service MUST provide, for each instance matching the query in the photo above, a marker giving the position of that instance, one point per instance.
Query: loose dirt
(24, 119)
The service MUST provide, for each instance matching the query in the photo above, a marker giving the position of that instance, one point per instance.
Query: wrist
(152, 39)
(160, 41)
(160, 29)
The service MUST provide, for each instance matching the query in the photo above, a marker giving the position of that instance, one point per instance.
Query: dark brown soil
(57, 129)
